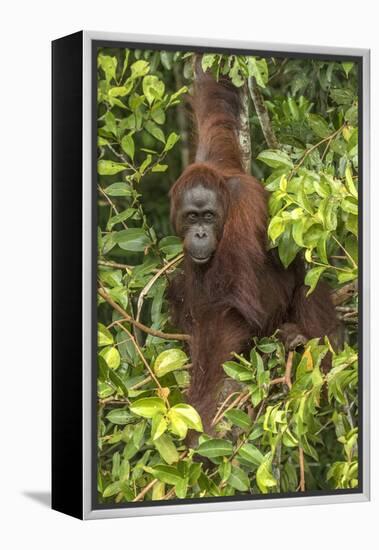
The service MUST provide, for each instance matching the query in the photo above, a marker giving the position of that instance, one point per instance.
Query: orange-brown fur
(244, 291)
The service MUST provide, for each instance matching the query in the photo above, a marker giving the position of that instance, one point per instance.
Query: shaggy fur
(244, 290)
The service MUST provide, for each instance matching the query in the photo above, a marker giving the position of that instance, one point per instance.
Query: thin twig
(148, 286)
(138, 349)
(223, 404)
(145, 490)
(309, 151)
(243, 440)
(111, 204)
(115, 265)
(346, 252)
(302, 474)
(287, 374)
(235, 402)
(152, 483)
(170, 494)
(144, 328)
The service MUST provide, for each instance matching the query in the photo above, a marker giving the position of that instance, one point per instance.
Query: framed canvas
(210, 275)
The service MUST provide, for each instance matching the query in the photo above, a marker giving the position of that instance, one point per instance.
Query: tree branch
(344, 293)
(262, 114)
(244, 132)
(144, 328)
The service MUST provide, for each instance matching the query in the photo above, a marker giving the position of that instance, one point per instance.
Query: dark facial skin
(199, 222)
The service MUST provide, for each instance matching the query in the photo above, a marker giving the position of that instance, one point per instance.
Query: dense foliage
(291, 427)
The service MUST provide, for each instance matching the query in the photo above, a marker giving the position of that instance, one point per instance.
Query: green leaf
(159, 168)
(276, 228)
(145, 164)
(238, 479)
(104, 390)
(190, 416)
(319, 125)
(111, 356)
(167, 474)
(177, 424)
(275, 159)
(166, 59)
(265, 479)
(298, 230)
(158, 115)
(171, 140)
(250, 453)
(342, 96)
(138, 433)
(126, 61)
(101, 142)
(347, 66)
(112, 489)
(178, 93)
(287, 248)
(350, 205)
(225, 470)
(235, 74)
(213, 448)
(237, 372)
(239, 418)
(148, 407)
(110, 123)
(259, 70)
(127, 145)
(109, 65)
(350, 183)
(169, 360)
(133, 239)
(121, 217)
(321, 247)
(109, 167)
(171, 246)
(166, 449)
(352, 224)
(154, 130)
(120, 417)
(158, 426)
(153, 88)
(119, 189)
(118, 382)
(104, 336)
(159, 490)
(207, 61)
(119, 91)
(265, 346)
(139, 68)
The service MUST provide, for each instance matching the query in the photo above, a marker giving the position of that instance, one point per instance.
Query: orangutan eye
(192, 217)
(209, 216)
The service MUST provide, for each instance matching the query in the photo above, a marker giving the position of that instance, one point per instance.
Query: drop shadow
(42, 497)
